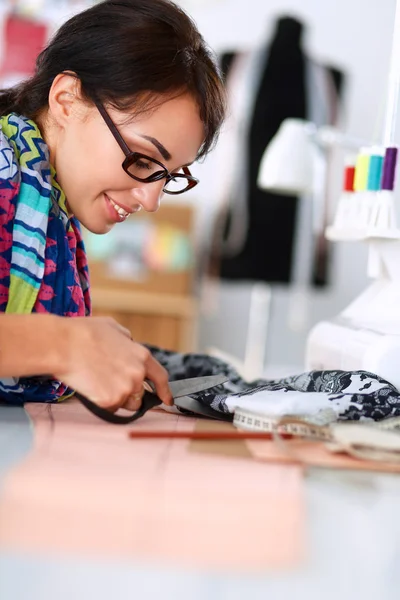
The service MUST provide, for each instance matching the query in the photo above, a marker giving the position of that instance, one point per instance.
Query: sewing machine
(366, 335)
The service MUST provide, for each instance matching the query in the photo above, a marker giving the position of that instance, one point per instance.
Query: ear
(65, 97)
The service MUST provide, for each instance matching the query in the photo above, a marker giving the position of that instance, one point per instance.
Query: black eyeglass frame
(132, 157)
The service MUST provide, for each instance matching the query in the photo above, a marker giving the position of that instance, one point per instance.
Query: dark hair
(124, 52)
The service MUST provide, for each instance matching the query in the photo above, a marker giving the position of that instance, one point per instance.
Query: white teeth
(122, 213)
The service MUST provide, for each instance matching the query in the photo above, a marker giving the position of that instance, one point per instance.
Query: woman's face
(88, 160)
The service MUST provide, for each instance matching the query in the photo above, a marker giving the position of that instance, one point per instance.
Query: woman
(124, 99)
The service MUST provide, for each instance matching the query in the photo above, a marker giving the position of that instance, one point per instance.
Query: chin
(97, 228)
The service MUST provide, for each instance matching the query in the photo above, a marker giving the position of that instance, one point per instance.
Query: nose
(149, 195)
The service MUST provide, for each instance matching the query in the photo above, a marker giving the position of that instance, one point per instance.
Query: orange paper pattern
(86, 488)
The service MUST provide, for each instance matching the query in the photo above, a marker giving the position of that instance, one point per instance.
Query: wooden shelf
(164, 320)
(158, 310)
(143, 302)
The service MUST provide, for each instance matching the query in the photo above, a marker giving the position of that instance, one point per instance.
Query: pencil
(206, 435)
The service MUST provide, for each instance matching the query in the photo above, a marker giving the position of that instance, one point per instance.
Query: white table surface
(353, 522)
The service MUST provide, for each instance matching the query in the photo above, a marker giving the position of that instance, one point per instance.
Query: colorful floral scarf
(43, 265)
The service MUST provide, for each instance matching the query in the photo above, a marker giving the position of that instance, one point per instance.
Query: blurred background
(239, 267)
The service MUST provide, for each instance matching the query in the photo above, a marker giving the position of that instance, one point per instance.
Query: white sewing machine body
(366, 335)
(342, 345)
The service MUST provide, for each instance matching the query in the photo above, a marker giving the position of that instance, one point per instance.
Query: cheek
(87, 165)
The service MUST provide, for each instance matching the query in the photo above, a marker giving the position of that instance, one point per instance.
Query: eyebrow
(162, 150)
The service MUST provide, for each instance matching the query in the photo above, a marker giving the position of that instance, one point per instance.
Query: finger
(134, 401)
(159, 376)
(120, 327)
(124, 330)
(128, 394)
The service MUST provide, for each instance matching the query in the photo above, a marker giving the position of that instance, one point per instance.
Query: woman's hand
(101, 361)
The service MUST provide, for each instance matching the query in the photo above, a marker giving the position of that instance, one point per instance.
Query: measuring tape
(310, 426)
(377, 441)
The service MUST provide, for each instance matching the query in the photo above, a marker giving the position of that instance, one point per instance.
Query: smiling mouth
(123, 214)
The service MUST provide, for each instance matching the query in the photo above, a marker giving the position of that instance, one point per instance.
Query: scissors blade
(185, 387)
(200, 409)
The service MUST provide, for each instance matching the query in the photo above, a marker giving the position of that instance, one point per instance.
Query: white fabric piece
(280, 403)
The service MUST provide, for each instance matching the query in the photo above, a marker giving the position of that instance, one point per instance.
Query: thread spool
(349, 175)
(361, 172)
(389, 169)
(375, 172)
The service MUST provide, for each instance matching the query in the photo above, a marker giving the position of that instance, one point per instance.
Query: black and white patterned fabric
(354, 395)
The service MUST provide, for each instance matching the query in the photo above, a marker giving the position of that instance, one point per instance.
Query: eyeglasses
(146, 169)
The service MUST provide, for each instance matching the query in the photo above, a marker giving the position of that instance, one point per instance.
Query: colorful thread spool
(389, 169)
(361, 173)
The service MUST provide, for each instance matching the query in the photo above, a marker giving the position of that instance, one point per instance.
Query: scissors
(181, 389)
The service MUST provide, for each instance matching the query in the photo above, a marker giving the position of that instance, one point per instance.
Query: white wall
(356, 36)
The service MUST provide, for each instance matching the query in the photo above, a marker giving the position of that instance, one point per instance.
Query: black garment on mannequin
(268, 249)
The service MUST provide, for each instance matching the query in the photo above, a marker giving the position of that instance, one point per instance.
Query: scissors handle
(149, 401)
